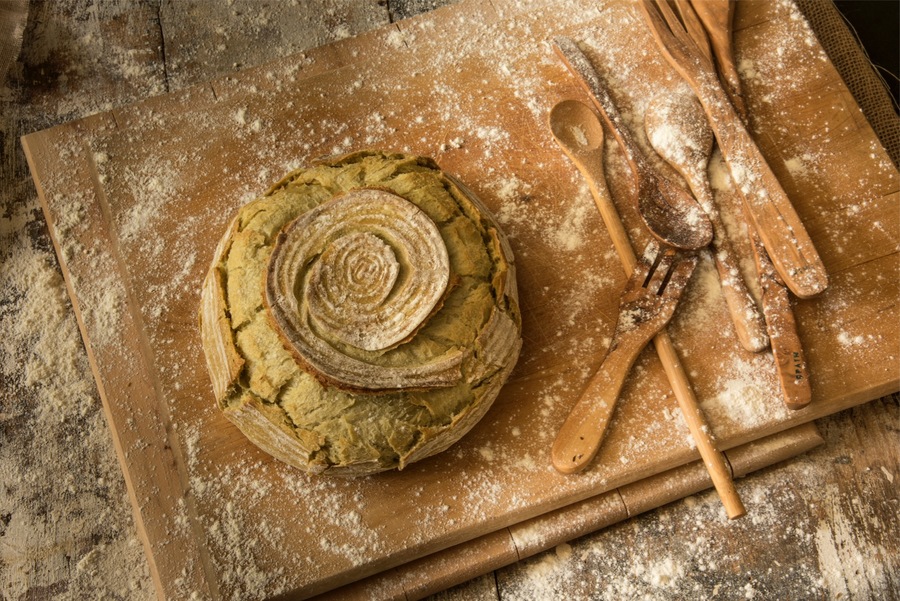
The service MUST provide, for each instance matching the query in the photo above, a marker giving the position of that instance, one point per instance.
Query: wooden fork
(712, 35)
(782, 232)
(647, 304)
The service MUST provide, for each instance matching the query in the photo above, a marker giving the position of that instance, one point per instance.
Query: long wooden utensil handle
(580, 436)
(717, 17)
(790, 361)
(779, 226)
(591, 166)
(749, 324)
(713, 459)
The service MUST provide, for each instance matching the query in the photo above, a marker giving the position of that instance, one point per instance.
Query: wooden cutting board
(137, 198)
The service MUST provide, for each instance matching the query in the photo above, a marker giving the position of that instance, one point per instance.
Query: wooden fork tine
(654, 19)
(659, 278)
(669, 41)
(675, 26)
(695, 28)
(681, 274)
(640, 273)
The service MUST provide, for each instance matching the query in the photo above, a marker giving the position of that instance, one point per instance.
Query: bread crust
(309, 419)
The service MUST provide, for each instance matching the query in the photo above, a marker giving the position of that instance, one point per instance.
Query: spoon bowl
(673, 216)
(670, 213)
(576, 127)
(677, 129)
(578, 131)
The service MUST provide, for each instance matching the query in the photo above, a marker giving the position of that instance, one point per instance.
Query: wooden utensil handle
(786, 347)
(793, 375)
(591, 166)
(580, 436)
(717, 17)
(713, 459)
(749, 324)
(788, 244)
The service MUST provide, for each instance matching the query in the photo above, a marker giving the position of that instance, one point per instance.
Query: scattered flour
(43, 352)
(744, 395)
(56, 443)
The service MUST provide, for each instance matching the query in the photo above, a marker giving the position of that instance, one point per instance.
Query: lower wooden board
(137, 198)
(447, 568)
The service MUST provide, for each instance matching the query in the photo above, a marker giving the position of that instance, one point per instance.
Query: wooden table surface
(822, 526)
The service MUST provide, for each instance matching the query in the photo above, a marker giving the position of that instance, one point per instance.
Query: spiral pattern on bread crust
(366, 270)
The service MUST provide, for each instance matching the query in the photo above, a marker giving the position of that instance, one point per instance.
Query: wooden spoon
(679, 132)
(670, 213)
(580, 134)
(578, 130)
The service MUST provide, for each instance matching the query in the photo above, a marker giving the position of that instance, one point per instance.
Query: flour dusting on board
(346, 529)
(743, 394)
(238, 504)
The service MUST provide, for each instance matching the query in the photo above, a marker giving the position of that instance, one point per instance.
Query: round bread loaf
(361, 315)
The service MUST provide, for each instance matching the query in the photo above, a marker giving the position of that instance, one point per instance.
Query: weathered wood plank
(822, 526)
(66, 526)
(206, 40)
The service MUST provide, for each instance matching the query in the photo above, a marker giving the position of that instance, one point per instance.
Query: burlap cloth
(851, 62)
